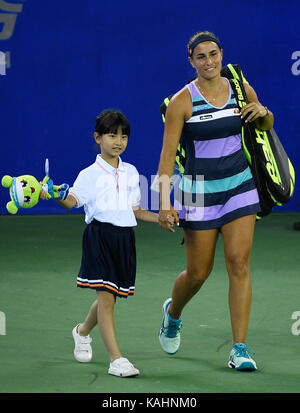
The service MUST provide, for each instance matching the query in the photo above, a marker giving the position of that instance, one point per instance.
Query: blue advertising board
(63, 62)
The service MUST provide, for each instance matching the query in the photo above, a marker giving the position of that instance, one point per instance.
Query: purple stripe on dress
(215, 148)
(193, 90)
(190, 213)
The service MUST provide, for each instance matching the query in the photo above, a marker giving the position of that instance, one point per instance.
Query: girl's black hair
(110, 120)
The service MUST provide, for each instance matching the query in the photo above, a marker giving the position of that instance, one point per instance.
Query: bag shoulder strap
(239, 92)
(242, 100)
(233, 71)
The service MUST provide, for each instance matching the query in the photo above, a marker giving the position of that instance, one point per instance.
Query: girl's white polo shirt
(108, 194)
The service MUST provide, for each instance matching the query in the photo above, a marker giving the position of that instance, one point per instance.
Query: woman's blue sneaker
(169, 334)
(239, 358)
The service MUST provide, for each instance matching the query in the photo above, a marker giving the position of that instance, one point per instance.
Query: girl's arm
(68, 203)
(144, 215)
(148, 216)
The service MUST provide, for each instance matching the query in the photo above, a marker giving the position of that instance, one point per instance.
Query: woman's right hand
(167, 219)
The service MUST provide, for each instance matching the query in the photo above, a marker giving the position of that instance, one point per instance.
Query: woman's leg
(238, 238)
(200, 250)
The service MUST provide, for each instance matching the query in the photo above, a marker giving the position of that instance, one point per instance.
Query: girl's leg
(238, 238)
(102, 313)
(119, 366)
(200, 250)
(105, 318)
(89, 323)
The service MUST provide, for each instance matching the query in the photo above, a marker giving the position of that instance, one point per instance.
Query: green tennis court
(40, 304)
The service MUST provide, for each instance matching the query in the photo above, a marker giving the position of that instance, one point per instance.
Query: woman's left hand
(252, 111)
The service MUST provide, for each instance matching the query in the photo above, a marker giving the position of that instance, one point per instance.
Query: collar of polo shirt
(107, 167)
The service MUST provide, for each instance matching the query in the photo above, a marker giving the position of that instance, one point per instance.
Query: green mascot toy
(25, 190)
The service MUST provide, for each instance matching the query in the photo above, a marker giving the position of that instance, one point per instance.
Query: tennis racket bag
(271, 168)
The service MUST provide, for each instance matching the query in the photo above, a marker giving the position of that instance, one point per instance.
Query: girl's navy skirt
(108, 260)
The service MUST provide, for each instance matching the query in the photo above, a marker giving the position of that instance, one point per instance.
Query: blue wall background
(69, 60)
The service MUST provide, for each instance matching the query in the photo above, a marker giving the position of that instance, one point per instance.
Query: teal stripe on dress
(197, 99)
(201, 107)
(218, 185)
(207, 106)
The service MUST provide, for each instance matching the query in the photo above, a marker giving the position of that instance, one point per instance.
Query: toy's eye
(24, 183)
(27, 199)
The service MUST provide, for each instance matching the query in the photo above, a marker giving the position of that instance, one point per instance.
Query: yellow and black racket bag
(271, 167)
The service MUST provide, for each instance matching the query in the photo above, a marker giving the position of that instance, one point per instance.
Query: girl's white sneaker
(83, 349)
(121, 367)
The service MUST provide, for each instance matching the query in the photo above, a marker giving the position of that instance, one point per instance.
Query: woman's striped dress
(217, 186)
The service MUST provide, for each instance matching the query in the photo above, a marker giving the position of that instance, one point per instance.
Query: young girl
(110, 194)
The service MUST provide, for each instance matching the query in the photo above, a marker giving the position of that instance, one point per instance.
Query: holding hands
(167, 219)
